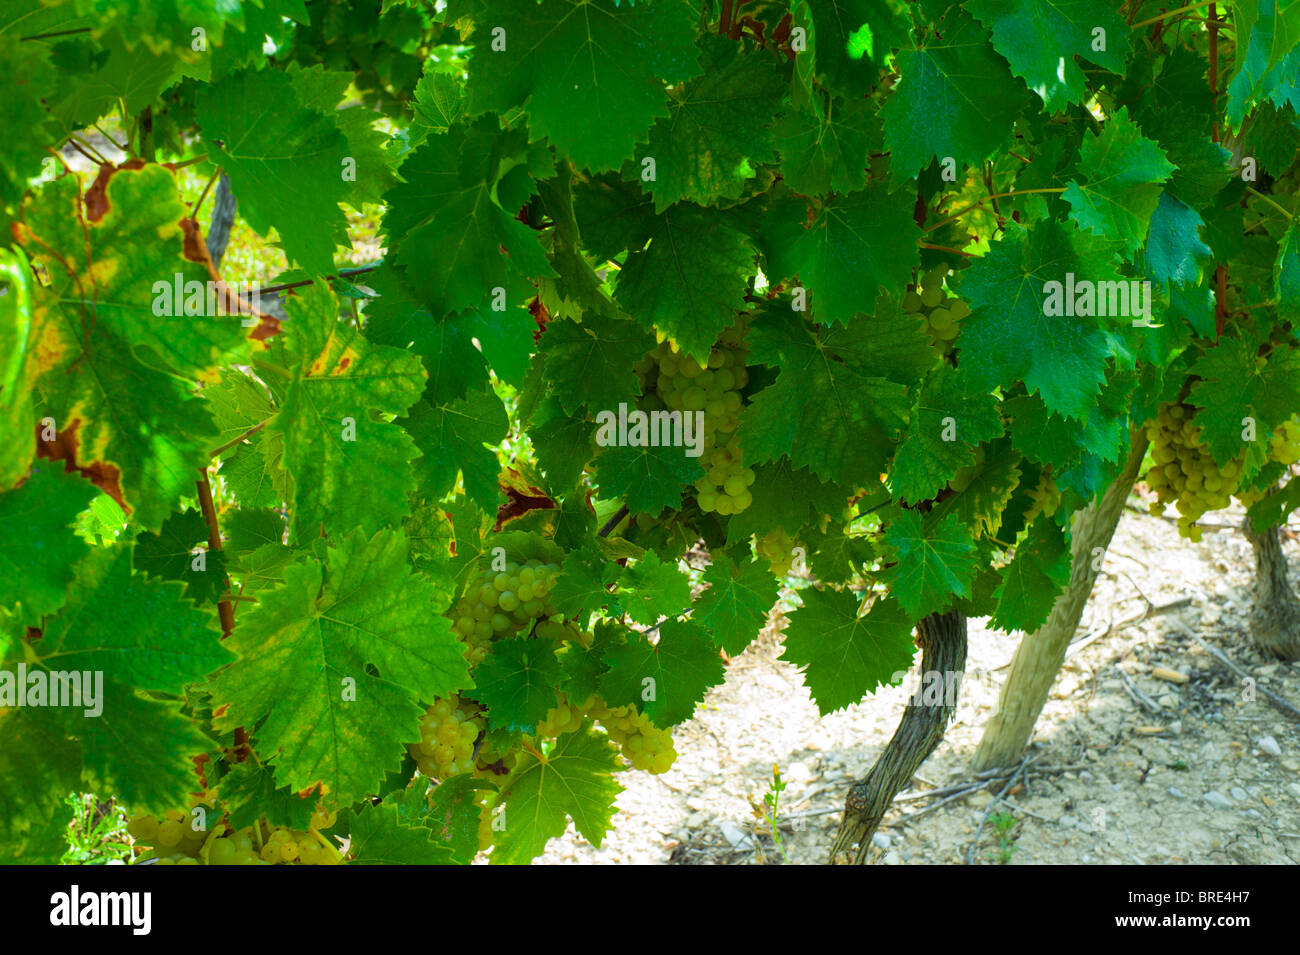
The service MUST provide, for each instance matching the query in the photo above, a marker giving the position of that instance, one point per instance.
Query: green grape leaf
(981, 504)
(350, 469)
(613, 215)
(935, 561)
(1271, 61)
(506, 339)
(133, 77)
(844, 656)
(141, 635)
(25, 123)
(648, 479)
(852, 40)
(517, 682)
(855, 245)
(377, 836)
(439, 101)
(955, 99)
(238, 403)
(591, 363)
(1203, 167)
(1233, 387)
(825, 148)
(370, 172)
(665, 680)
(165, 24)
(39, 765)
(951, 417)
(735, 607)
(837, 555)
(116, 362)
(716, 124)
(1123, 171)
(334, 662)
(444, 344)
(1273, 136)
(583, 585)
(575, 781)
(834, 417)
(248, 529)
(169, 554)
(1040, 435)
(563, 444)
(589, 74)
(453, 438)
(1042, 40)
(454, 816)
(17, 411)
(654, 588)
(38, 550)
(1033, 579)
(249, 792)
(455, 186)
(1286, 273)
(584, 666)
(1174, 250)
(258, 129)
(691, 280)
(1009, 336)
(137, 630)
(784, 497)
(255, 472)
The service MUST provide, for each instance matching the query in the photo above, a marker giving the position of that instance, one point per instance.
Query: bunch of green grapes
(563, 717)
(448, 731)
(285, 846)
(644, 745)
(261, 844)
(1284, 448)
(941, 314)
(1185, 473)
(685, 385)
(501, 603)
(1046, 497)
(495, 760)
(1284, 443)
(778, 548)
(171, 836)
(486, 801)
(557, 628)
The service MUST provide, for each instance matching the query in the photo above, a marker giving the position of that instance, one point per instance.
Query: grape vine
(540, 376)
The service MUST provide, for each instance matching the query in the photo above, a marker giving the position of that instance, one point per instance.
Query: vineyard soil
(1155, 811)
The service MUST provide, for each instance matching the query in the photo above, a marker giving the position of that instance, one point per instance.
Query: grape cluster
(644, 745)
(486, 802)
(778, 547)
(175, 842)
(682, 384)
(1284, 448)
(448, 732)
(561, 718)
(1184, 472)
(1284, 443)
(556, 628)
(501, 603)
(496, 760)
(942, 315)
